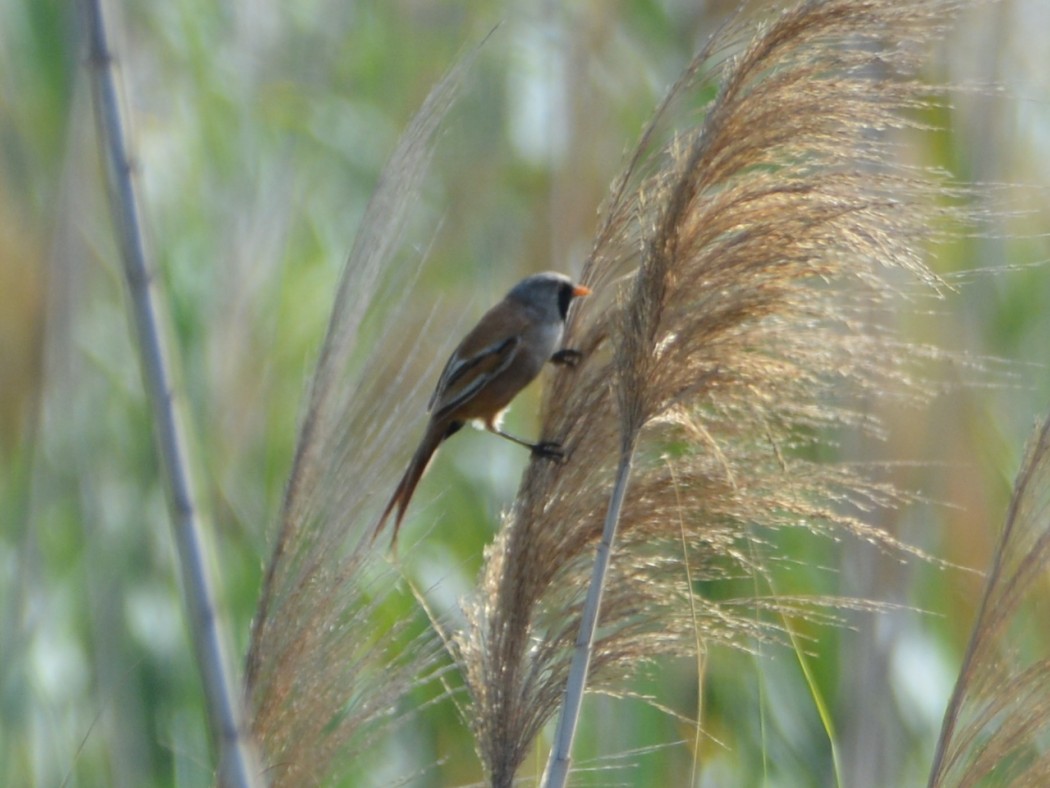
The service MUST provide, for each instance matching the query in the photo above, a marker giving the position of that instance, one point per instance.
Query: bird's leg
(547, 449)
(568, 357)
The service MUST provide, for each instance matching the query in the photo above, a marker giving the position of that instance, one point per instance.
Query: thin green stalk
(561, 753)
(818, 699)
(238, 765)
(823, 711)
(700, 649)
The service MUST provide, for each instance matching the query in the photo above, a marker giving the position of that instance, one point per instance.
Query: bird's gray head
(549, 293)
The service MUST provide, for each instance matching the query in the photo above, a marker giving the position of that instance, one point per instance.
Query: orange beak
(580, 290)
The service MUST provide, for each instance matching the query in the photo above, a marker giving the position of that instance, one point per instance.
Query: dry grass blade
(321, 672)
(999, 715)
(742, 263)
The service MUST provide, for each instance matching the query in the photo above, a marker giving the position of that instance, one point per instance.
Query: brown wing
(485, 352)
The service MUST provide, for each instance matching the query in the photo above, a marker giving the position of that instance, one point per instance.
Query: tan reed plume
(323, 674)
(996, 723)
(743, 260)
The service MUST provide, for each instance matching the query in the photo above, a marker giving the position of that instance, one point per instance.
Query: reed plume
(323, 674)
(999, 714)
(745, 261)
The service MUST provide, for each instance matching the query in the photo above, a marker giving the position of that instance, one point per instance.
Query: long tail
(403, 494)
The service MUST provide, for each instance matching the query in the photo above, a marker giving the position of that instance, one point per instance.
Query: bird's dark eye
(564, 299)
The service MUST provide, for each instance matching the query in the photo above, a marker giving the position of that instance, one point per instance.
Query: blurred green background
(261, 127)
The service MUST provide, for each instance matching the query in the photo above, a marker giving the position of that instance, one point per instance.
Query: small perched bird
(501, 355)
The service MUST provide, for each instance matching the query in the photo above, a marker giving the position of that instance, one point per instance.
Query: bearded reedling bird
(501, 355)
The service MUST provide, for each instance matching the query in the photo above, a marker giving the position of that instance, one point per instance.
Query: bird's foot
(568, 357)
(549, 450)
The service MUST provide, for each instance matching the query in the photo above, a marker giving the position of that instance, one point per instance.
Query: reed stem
(557, 772)
(238, 766)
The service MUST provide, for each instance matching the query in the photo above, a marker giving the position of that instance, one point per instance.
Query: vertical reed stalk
(561, 754)
(237, 762)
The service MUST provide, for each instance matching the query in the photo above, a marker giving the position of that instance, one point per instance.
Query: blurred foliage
(261, 128)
